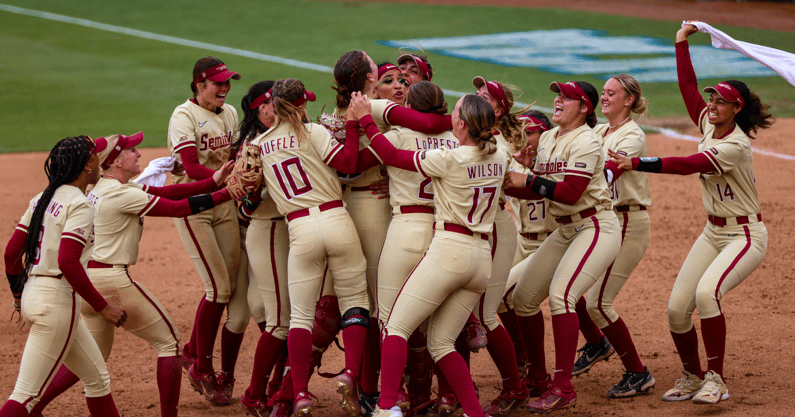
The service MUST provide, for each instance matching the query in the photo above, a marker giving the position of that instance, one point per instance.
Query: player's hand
(514, 179)
(179, 169)
(686, 31)
(114, 314)
(223, 172)
(361, 105)
(622, 161)
(525, 157)
(381, 188)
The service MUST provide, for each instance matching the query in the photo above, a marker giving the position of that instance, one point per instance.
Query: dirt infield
(759, 312)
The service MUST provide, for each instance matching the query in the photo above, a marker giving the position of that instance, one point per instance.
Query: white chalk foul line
(286, 61)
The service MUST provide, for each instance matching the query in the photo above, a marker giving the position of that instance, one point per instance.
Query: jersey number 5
(479, 195)
(287, 180)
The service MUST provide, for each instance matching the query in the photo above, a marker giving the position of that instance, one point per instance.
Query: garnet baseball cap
(727, 92)
(97, 145)
(218, 73)
(572, 90)
(308, 96)
(383, 69)
(116, 144)
(261, 99)
(495, 90)
(425, 70)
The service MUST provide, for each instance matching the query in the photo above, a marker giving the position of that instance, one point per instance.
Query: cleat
(226, 383)
(368, 403)
(536, 388)
(281, 408)
(187, 360)
(207, 385)
(507, 401)
(303, 405)
(632, 384)
(403, 400)
(713, 390)
(553, 400)
(591, 354)
(346, 386)
(256, 408)
(476, 336)
(685, 388)
(392, 412)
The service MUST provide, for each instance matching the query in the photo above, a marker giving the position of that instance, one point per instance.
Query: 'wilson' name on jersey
(486, 170)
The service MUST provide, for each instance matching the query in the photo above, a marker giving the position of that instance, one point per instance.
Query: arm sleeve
(384, 148)
(423, 122)
(683, 165)
(190, 160)
(182, 208)
(14, 251)
(688, 84)
(367, 159)
(611, 167)
(345, 161)
(73, 271)
(566, 192)
(180, 191)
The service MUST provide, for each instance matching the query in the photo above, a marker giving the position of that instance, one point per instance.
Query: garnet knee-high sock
(209, 319)
(13, 409)
(500, 348)
(354, 337)
(190, 347)
(299, 343)
(444, 386)
(511, 324)
(277, 374)
(462, 347)
(687, 346)
(102, 406)
(590, 331)
(371, 362)
(169, 380)
(457, 374)
(566, 329)
(230, 348)
(618, 336)
(269, 350)
(394, 354)
(63, 380)
(532, 331)
(713, 331)
(262, 326)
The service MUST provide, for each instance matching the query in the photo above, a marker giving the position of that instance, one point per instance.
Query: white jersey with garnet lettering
(335, 124)
(729, 191)
(531, 216)
(409, 188)
(119, 211)
(69, 215)
(297, 174)
(211, 134)
(466, 184)
(579, 153)
(632, 187)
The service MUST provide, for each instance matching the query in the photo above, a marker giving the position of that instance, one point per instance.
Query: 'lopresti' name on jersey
(485, 170)
(428, 143)
(278, 144)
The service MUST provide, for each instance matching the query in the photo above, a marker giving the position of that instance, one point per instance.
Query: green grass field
(62, 79)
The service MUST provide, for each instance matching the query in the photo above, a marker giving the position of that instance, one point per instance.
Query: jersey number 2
(286, 179)
(478, 197)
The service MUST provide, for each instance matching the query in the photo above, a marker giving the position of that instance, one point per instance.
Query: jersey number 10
(286, 179)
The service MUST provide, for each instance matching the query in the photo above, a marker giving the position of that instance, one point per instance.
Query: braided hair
(350, 74)
(250, 126)
(478, 116)
(64, 165)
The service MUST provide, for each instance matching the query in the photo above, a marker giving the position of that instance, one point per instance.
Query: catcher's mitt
(247, 175)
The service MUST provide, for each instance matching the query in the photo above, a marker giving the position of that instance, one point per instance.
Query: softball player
(299, 159)
(452, 275)
(734, 240)
(267, 241)
(391, 84)
(569, 172)
(631, 197)
(415, 68)
(199, 134)
(533, 225)
(60, 222)
(119, 208)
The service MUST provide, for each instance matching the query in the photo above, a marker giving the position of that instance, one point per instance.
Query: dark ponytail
(64, 165)
(590, 91)
(754, 114)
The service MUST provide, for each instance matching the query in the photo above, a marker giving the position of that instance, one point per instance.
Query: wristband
(648, 164)
(529, 181)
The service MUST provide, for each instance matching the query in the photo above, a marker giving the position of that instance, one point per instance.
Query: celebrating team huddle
(420, 233)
